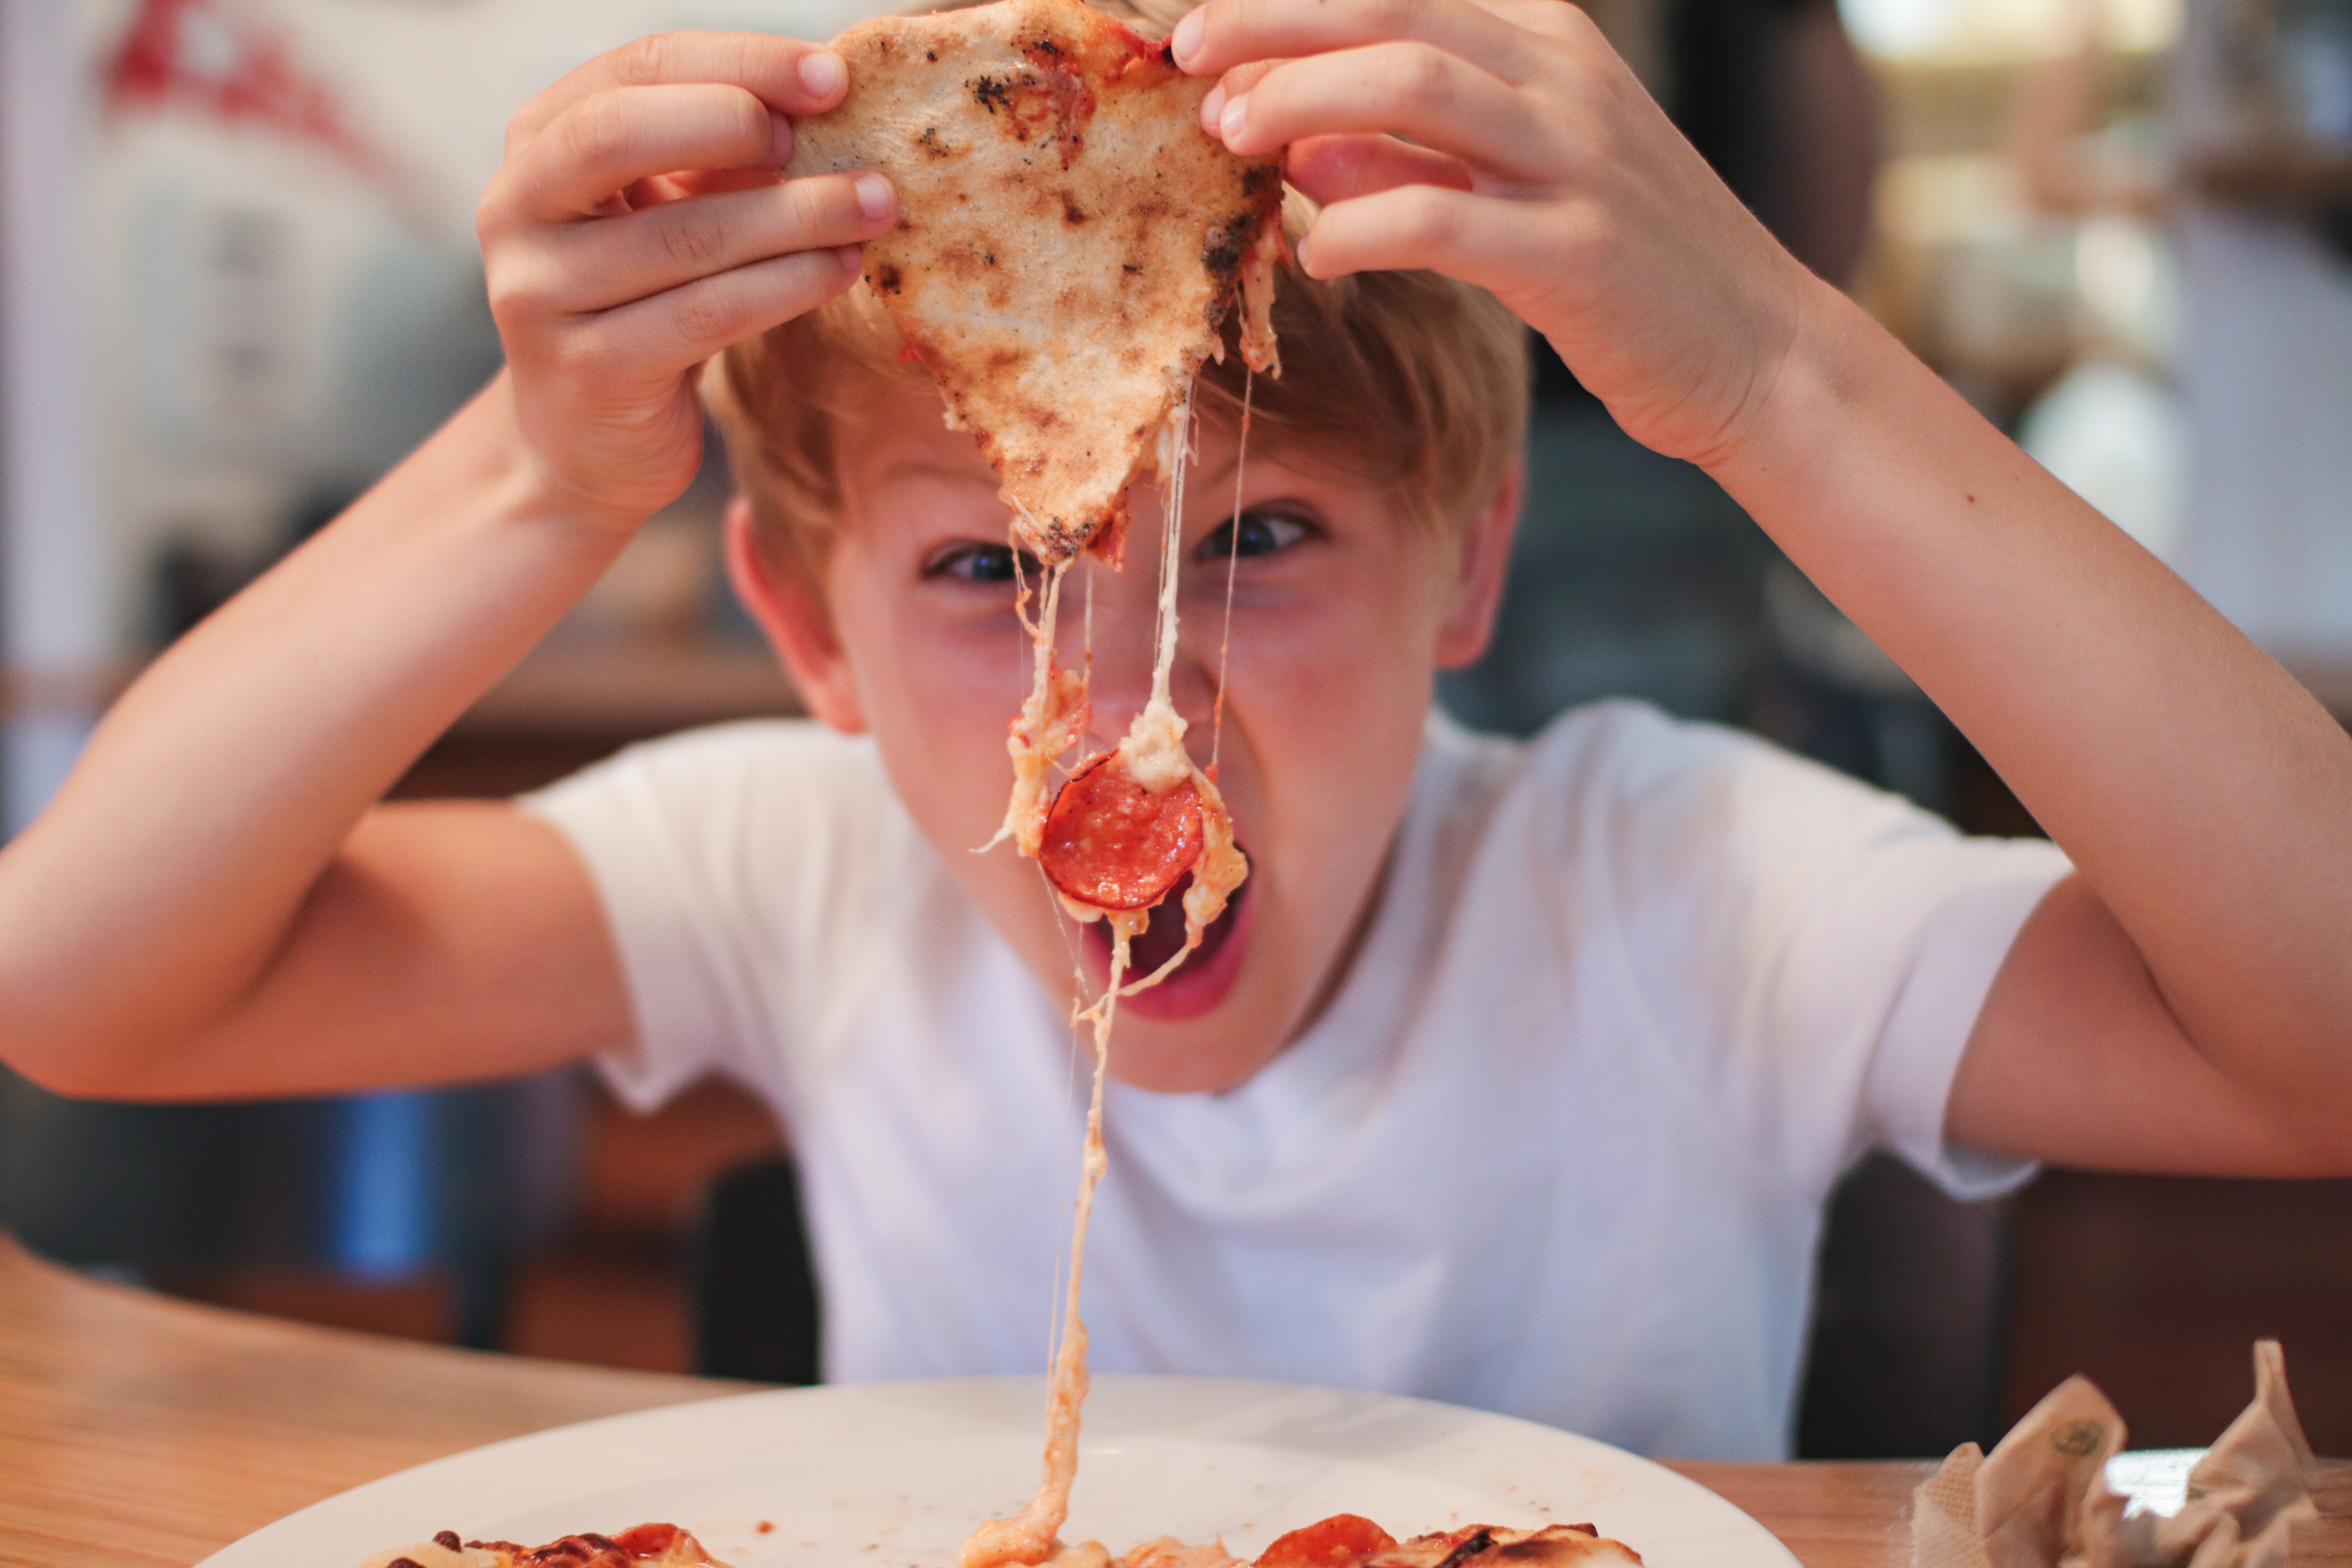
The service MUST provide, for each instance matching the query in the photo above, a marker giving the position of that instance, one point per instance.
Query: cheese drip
(1032, 1535)
(1052, 721)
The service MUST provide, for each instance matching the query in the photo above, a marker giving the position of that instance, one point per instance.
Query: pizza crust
(1069, 239)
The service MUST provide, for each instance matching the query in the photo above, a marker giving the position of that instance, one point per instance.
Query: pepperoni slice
(1343, 1541)
(1113, 843)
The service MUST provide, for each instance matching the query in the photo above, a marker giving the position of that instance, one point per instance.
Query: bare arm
(2188, 1005)
(215, 904)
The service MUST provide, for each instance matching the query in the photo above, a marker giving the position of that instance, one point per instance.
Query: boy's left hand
(1503, 142)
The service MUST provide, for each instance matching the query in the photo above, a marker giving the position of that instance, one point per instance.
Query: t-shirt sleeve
(716, 857)
(1827, 946)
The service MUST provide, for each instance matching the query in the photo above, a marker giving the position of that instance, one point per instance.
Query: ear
(1483, 562)
(793, 614)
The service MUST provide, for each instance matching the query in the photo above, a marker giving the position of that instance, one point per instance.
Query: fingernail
(874, 198)
(1213, 105)
(1185, 41)
(783, 139)
(822, 72)
(1235, 116)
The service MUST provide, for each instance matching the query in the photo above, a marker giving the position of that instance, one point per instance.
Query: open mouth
(1204, 978)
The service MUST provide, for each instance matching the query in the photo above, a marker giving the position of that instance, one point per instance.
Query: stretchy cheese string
(1153, 749)
(1220, 868)
(1055, 699)
(1032, 1535)
(1232, 565)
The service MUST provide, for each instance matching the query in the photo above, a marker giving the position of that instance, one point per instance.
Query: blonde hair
(1407, 381)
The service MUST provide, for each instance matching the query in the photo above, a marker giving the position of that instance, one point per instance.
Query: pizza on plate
(644, 1546)
(1343, 1541)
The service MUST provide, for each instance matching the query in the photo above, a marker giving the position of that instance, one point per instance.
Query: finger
(706, 182)
(1333, 169)
(1233, 84)
(1436, 98)
(684, 182)
(1464, 235)
(604, 143)
(1228, 33)
(595, 266)
(787, 75)
(674, 332)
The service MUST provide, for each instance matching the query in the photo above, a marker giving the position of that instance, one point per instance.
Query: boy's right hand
(638, 226)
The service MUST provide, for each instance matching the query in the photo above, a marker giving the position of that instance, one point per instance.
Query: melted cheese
(1032, 1535)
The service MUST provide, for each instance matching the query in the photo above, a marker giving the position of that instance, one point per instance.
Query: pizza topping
(1051, 721)
(446, 1540)
(1343, 1541)
(1113, 843)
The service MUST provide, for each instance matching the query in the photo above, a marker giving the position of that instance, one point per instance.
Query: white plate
(893, 1476)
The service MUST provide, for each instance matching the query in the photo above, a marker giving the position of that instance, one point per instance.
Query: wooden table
(134, 1429)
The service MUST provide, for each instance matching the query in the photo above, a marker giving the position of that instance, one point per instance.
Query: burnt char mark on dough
(993, 92)
(886, 277)
(1070, 213)
(1228, 242)
(446, 1540)
(932, 55)
(404, 1562)
(929, 142)
(1476, 1543)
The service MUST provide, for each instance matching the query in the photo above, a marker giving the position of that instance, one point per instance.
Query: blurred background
(240, 280)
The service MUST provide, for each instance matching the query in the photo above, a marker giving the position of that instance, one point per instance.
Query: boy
(1520, 1072)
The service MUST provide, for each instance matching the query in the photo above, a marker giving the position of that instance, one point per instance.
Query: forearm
(2206, 798)
(155, 890)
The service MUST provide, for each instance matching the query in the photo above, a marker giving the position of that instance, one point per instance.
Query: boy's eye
(971, 561)
(1255, 534)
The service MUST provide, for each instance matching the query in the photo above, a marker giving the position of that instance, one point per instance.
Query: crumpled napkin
(2040, 1499)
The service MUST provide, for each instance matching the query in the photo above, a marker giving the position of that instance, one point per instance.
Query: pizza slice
(1069, 244)
(1350, 1540)
(644, 1546)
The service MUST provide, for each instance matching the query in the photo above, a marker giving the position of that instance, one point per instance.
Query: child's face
(1342, 611)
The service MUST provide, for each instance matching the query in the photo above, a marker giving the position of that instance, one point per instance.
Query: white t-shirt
(1636, 993)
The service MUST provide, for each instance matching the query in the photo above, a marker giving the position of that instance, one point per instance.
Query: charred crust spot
(1256, 178)
(992, 94)
(929, 142)
(1227, 242)
(887, 278)
(1070, 213)
(932, 55)
(988, 256)
(1477, 1542)
(1045, 45)
(1130, 269)
(446, 1540)
(404, 1562)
